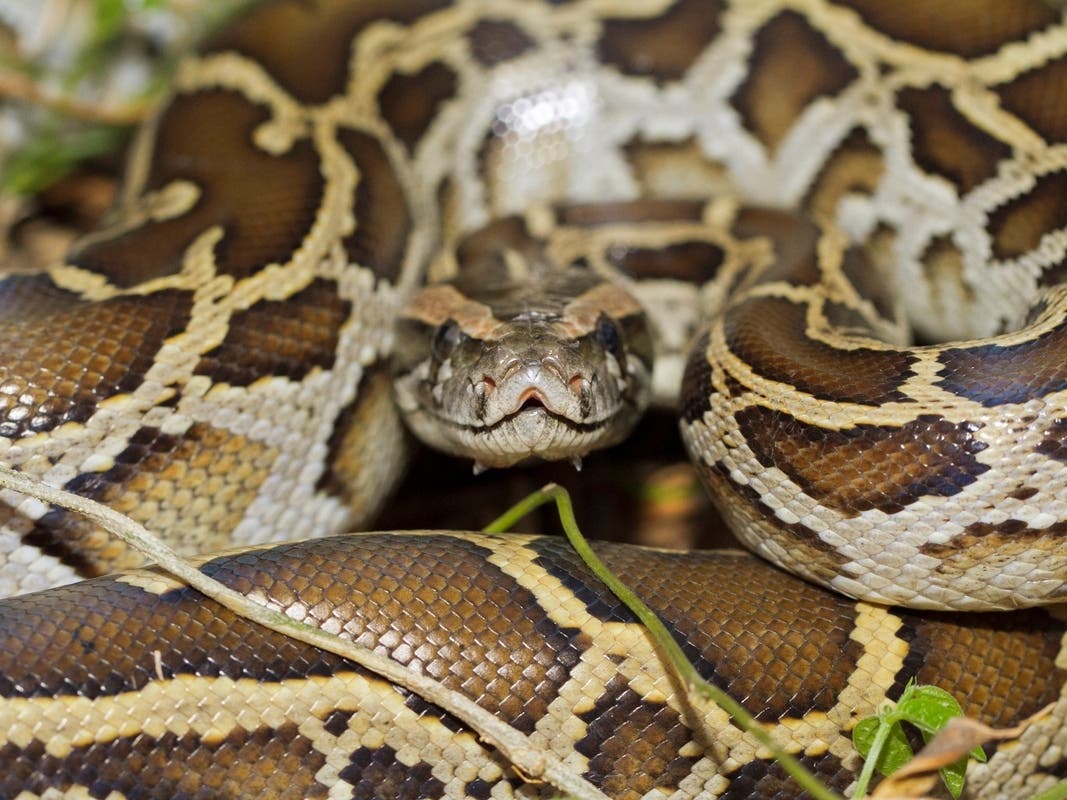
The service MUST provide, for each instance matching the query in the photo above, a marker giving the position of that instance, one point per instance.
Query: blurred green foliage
(58, 141)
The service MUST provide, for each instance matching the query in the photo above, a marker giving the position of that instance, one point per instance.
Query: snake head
(550, 369)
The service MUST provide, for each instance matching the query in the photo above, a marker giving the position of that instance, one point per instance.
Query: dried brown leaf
(961, 735)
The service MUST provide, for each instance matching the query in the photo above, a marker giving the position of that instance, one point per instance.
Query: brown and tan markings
(770, 334)
(305, 48)
(1019, 372)
(86, 354)
(864, 467)
(946, 143)
(1017, 226)
(793, 64)
(380, 240)
(409, 103)
(664, 47)
(1026, 95)
(176, 670)
(264, 202)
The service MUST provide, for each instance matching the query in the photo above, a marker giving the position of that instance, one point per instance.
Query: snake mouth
(537, 409)
(534, 408)
(530, 433)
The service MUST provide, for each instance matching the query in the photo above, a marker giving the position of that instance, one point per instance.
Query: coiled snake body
(214, 362)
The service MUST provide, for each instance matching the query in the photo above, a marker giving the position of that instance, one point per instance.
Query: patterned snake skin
(215, 362)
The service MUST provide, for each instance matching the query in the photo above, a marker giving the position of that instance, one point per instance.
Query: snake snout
(531, 398)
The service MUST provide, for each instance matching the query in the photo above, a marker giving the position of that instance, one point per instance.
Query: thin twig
(533, 763)
(15, 86)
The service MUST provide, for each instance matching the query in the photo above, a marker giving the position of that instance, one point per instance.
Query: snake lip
(532, 432)
(530, 408)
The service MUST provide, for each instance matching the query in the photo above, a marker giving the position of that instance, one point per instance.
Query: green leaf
(954, 775)
(896, 752)
(109, 18)
(928, 708)
(1057, 792)
(51, 155)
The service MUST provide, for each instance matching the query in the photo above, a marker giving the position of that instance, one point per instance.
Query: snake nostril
(482, 390)
(581, 387)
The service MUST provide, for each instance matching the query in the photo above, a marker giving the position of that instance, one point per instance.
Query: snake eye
(607, 336)
(447, 339)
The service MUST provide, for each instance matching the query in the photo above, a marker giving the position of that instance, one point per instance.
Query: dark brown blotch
(277, 762)
(792, 65)
(264, 203)
(280, 338)
(43, 652)
(376, 773)
(307, 46)
(993, 374)
(765, 778)
(336, 721)
(865, 467)
(410, 103)
(868, 283)
(697, 388)
(846, 318)
(796, 633)
(662, 47)
(383, 215)
(770, 334)
(1054, 443)
(1037, 98)
(793, 239)
(26, 299)
(434, 604)
(1017, 226)
(976, 28)
(632, 744)
(57, 367)
(946, 143)
(494, 41)
(691, 262)
(636, 212)
(1001, 667)
(481, 253)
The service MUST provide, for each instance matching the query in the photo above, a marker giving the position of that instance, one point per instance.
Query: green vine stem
(1057, 792)
(669, 647)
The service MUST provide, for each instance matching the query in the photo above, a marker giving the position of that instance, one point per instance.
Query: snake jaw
(524, 408)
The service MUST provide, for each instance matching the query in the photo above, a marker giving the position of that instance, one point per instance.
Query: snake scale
(218, 361)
